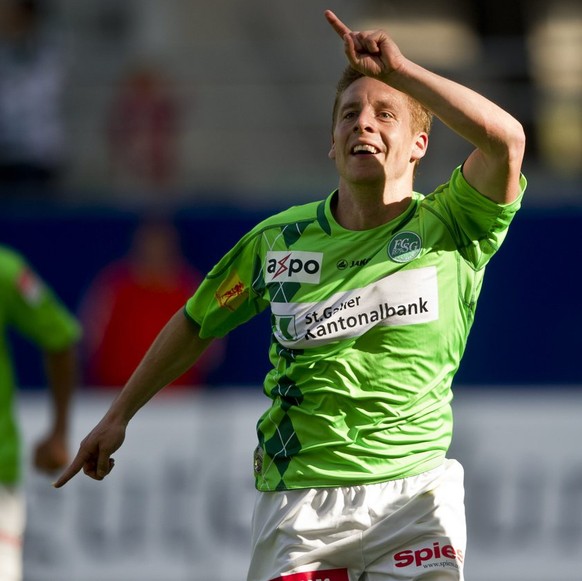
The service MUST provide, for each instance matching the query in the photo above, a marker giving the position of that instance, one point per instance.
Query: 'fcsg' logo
(405, 246)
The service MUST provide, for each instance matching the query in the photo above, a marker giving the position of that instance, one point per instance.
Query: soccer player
(31, 308)
(372, 293)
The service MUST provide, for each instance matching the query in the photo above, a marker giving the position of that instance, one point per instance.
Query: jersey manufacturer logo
(342, 264)
(304, 267)
(404, 246)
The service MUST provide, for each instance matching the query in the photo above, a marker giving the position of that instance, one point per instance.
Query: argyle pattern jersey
(368, 329)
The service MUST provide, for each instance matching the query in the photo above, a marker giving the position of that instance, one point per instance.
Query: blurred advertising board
(178, 504)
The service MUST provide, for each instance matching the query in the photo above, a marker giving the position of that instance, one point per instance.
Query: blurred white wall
(178, 504)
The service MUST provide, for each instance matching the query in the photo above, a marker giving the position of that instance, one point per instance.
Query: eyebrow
(382, 103)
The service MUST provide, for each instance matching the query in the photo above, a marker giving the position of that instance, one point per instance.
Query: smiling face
(374, 135)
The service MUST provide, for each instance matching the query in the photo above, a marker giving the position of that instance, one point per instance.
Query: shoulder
(11, 263)
(294, 214)
(290, 222)
(460, 189)
(8, 254)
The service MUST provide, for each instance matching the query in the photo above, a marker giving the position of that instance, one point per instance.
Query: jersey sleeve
(33, 309)
(232, 292)
(479, 224)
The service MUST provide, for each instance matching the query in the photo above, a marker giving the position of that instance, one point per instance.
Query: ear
(419, 147)
(331, 153)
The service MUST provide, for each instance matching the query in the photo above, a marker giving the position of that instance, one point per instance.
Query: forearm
(494, 167)
(61, 370)
(173, 352)
(469, 114)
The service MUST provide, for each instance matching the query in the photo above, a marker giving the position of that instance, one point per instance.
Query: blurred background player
(29, 306)
(143, 133)
(129, 302)
(32, 76)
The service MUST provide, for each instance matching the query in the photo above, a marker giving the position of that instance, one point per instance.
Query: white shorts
(12, 519)
(408, 529)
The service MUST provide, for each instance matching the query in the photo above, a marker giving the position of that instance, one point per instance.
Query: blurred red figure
(142, 129)
(129, 302)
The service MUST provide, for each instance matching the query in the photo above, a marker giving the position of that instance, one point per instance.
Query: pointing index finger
(73, 469)
(337, 24)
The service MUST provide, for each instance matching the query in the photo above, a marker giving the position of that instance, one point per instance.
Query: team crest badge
(404, 246)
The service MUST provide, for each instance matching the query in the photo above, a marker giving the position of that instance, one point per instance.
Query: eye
(349, 114)
(385, 115)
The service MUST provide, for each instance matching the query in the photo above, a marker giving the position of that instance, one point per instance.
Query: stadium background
(253, 84)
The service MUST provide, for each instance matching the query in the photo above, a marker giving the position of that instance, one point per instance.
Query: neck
(363, 209)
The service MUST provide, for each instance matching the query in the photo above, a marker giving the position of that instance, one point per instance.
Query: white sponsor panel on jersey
(408, 297)
(291, 266)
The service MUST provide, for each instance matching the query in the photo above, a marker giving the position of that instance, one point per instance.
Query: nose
(363, 123)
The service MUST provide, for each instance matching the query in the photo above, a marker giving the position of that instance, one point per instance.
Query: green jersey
(368, 330)
(30, 307)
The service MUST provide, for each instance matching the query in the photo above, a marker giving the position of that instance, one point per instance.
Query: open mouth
(364, 149)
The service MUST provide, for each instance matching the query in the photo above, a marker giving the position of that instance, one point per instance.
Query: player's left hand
(371, 52)
(51, 454)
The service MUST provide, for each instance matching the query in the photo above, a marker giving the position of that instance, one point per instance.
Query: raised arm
(494, 167)
(174, 351)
